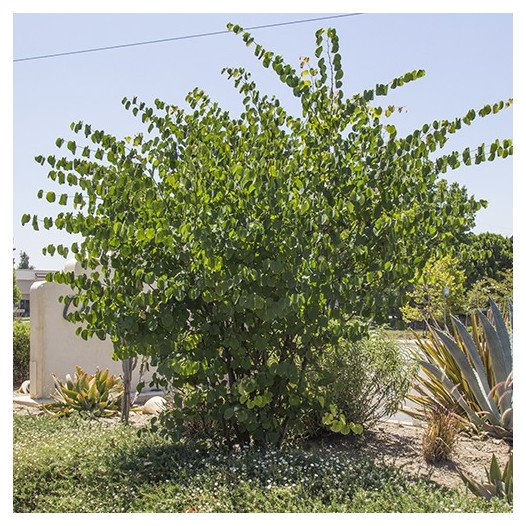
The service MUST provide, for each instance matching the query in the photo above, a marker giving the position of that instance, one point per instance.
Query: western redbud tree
(233, 250)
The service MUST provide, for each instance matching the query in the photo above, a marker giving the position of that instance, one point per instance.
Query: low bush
(20, 352)
(367, 380)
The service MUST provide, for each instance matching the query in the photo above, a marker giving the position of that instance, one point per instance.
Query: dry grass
(440, 435)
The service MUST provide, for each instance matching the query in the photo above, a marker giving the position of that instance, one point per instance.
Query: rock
(154, 405)
(24, 388)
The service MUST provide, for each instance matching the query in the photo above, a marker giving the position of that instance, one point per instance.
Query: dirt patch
(137, 418)
(401, 445)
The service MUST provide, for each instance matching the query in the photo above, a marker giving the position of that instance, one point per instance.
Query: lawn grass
(71, 465)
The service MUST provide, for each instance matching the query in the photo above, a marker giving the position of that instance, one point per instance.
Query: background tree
(222, 246)
(500, 290)
(17, 295)
(427, 300)
(24, 261)
(486, 256)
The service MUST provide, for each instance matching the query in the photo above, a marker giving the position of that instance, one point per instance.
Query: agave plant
(95, 395)
(498, 484)
(470, 374)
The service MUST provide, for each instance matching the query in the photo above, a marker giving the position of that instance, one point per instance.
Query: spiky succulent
(470, 374)
(498, 484)
(92, 395)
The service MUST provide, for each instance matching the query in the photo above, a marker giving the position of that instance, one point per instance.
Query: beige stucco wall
(55, 348)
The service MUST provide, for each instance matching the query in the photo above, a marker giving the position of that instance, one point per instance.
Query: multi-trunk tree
(232, 250)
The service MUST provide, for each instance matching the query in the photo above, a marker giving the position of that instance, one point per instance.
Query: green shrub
(221, 246)
(367, 380)
(17, 295)
(20, 352)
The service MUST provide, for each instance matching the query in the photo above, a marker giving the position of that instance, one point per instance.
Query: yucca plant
(93, 395)
(498, 484)
(469, 374)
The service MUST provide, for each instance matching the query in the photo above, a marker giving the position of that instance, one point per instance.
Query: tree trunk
(127, 368)
(286, 422)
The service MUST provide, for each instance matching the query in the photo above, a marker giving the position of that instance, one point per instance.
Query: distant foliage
(499, 289)
(17, 295)
(427, 300)
(233, 250)
(21, 336)
(24, 261)
(486, 256)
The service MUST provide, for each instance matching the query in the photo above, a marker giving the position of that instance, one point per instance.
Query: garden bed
(71, 465)
(400, 444)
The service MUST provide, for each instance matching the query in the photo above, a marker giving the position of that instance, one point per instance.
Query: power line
(185, 37)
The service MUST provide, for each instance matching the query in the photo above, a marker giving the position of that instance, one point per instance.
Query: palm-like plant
(470, 374)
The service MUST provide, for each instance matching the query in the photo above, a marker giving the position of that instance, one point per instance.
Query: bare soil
(137, 418)
(400, 444)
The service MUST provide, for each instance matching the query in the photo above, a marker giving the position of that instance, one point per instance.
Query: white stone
(154, 405)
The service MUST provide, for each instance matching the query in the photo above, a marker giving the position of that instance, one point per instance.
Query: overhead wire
(183, 37)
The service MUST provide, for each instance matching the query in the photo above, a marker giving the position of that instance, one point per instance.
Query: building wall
(55, 349)
(25, 279)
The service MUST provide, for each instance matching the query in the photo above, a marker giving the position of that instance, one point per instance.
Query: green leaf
(149, 234)
(229, 413)
(72, 147)
(357, 429)
(167, 320)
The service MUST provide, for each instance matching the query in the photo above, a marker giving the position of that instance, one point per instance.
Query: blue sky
(468, 60)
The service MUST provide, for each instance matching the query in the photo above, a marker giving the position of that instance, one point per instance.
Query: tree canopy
(24, 261)
(439, 291)
(486, 256)
(232, 250)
